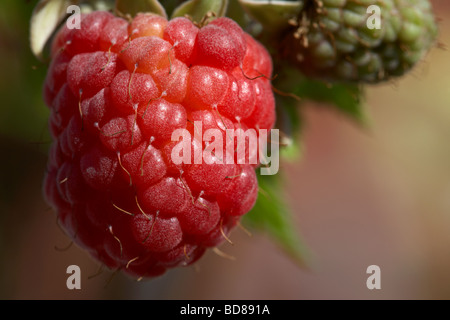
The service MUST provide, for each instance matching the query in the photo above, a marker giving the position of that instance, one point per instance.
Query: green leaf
(133, 7)
(290, 124)
(346, 97)
(198, 9)
(271, 215)
(46, 17)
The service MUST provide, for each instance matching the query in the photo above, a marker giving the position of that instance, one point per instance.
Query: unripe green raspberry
(331, 39)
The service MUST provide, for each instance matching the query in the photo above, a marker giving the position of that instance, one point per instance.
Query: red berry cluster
(117, 91)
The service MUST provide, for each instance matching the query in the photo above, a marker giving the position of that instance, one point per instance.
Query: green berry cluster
(359, 40)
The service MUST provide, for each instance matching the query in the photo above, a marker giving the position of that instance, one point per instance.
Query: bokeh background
(379, 195)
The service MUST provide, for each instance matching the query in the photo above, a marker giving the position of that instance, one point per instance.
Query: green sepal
(133, 7)
(273, 15)
(197, 10)
(46, 17)
(237, 13)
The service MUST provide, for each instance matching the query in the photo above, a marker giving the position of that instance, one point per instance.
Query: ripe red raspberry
(117, 91)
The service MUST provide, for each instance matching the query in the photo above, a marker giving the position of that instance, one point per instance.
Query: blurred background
(359, 196)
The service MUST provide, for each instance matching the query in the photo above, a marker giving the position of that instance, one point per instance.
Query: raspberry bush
(122, 84)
